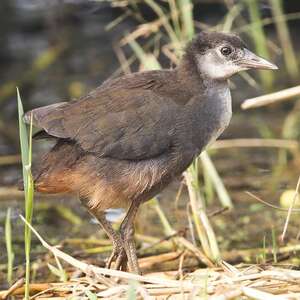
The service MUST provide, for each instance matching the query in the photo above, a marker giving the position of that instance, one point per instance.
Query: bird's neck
(195, 79)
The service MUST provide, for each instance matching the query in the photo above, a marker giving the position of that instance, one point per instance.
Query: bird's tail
(54, 173)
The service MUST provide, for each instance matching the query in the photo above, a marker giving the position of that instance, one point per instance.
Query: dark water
(72, 36)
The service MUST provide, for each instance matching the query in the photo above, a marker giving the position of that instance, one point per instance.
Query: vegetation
(215, 249)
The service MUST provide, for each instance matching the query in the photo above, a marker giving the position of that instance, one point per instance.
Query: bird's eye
(226, 51)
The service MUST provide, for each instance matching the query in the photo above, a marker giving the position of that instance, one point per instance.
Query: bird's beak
(252, 61)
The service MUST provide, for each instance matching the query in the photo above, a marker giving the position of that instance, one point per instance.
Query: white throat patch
(216, 67)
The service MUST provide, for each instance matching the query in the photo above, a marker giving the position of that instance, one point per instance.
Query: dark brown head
(220, 55)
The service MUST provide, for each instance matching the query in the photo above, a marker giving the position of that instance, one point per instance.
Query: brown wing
(122, 120)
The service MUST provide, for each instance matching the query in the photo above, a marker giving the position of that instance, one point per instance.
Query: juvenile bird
(126, 140)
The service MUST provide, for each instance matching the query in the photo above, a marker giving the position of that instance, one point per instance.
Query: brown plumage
(126, 140)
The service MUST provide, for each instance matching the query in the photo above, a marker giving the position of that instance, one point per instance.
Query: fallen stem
(282, 95)
(249, 143)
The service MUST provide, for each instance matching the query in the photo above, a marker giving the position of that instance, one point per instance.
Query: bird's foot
(118, 256)
(123, 256)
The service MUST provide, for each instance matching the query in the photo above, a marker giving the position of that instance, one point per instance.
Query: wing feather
(121, 121)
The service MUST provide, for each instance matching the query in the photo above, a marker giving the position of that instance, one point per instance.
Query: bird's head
(220, 55)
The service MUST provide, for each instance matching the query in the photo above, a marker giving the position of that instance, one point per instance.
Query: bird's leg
(118, 251)
(114, 236)
(127, 235)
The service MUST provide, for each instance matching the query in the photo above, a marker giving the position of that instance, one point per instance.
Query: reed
(289, 55)
(9, 248)
(186, 16)
(274, 246)
(260, 40)
(204, 230)
(216, 180)
(168, 230)
(26, 155)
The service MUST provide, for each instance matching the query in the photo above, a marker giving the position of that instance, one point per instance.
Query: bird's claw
(123, 257)
(118, 256)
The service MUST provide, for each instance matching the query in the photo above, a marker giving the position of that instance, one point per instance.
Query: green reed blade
(186, 14)
(289, 55)
(217, 181)
(26, 150)
(9, 248)
(260, 40)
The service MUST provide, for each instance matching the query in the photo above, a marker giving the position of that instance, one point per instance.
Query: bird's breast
(208, 118)
(222, 114)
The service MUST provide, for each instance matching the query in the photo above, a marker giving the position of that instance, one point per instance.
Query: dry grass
(254, 282)
(224, 282)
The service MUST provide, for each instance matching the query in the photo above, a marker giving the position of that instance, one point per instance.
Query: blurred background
(57, 50)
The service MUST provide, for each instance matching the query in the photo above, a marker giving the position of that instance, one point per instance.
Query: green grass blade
(216, 180)
(285, 39)
(23, 138)
(167, 227)
(232, 14)
(274, 246)
(26, 150)
(186, 13)
(208, 187)
(9, 249)
(160, 13)
(203, 227)
(260, 40)
(148, 61)
(174, 11)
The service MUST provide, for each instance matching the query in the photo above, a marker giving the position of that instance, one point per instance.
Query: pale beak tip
(275, 67)
(272, 66)
(266, 65)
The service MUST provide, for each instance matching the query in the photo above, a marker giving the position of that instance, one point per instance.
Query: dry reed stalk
(12, 289)
(290, 210)
(148, 262)
(33, 287)
(249, 143)
(276, 97)
(199, 216)
(255, 282)
(9, 159)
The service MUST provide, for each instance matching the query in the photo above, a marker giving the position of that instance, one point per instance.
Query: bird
(125, 141)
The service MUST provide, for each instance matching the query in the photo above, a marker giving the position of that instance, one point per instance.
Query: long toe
(118, 250)
(118, 258)
(111, 259)
(121, 261)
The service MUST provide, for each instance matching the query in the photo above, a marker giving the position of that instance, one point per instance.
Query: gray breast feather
(222, 121)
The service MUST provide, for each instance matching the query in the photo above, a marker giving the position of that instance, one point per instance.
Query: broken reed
(26, 155)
